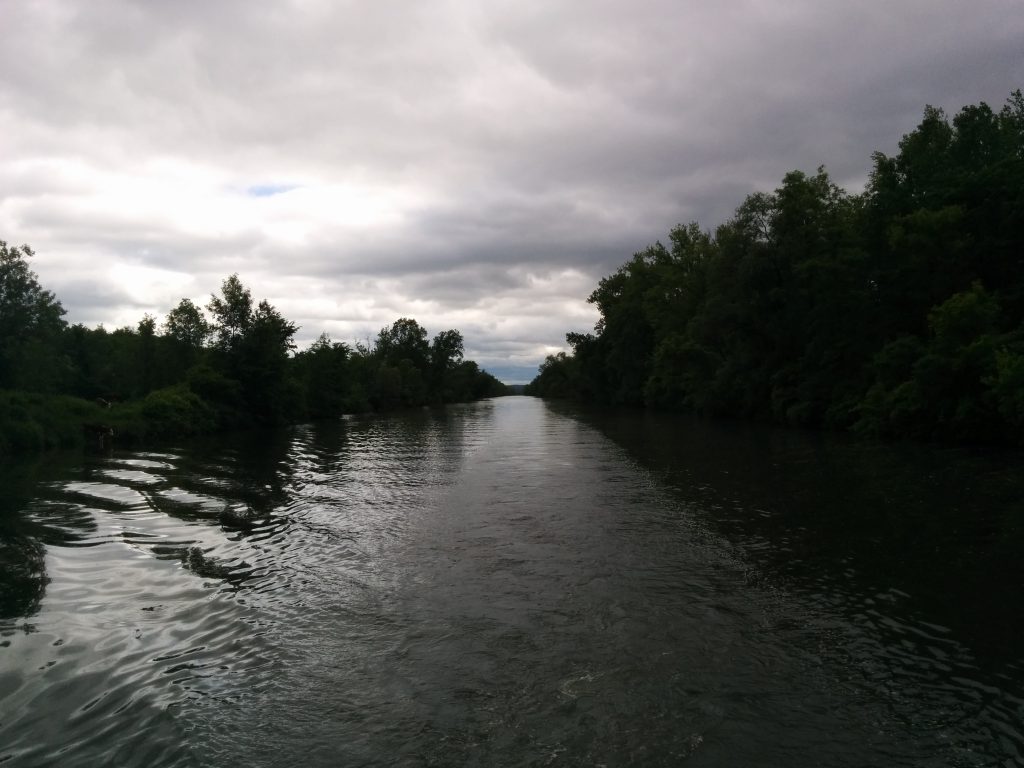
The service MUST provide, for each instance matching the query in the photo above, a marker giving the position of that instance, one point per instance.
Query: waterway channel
(511, 583)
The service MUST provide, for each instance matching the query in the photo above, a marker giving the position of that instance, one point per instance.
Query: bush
(34, 422)
(169, 412)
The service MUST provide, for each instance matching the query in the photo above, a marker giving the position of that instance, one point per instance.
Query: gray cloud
(473, 166)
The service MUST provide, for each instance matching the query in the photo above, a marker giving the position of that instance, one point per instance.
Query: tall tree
(31, 321)
(261, 365)
(446, 352)
(232, 312)
(404, 339)
(186, 331)
(148, 375)
(323, 370)
(187, 326)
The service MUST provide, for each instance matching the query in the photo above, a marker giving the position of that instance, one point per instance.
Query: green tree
(185, 333)
(232, 313)
(627, 336)
(446, 353)
(252, 348)
(556, 378)
(261, 365)
(324, 371)
(149, 376)
(186, 324)
(31, 323)
(404, 339)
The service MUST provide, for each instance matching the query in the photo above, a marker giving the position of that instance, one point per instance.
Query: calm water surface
(507, 583)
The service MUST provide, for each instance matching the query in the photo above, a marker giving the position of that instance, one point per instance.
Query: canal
(511, 583)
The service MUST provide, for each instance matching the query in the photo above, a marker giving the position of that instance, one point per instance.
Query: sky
(472, 165)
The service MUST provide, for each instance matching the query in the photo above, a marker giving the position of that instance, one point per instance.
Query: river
(510, 583)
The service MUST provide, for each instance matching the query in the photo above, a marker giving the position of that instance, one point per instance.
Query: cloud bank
(472, 165)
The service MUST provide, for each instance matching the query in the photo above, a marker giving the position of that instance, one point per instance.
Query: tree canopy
(898, 311)
(195, 372)
(31, 321)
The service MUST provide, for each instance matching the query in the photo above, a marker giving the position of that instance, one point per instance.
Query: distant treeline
(896, 312)
(232, 368)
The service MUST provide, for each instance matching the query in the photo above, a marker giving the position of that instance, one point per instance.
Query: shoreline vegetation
(895, 313)
(231, 368)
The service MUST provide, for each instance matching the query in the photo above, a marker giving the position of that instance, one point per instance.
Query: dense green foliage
(899, 311)
(234, 368)
(31, 322)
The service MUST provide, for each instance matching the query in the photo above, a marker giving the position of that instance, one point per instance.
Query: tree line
(895, 312)
(231, 366)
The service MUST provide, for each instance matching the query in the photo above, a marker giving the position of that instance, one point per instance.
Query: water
(504, 583)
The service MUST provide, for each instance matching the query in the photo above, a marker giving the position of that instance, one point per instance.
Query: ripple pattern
(493, 584)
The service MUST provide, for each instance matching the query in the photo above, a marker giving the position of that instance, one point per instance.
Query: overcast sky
(474, 165)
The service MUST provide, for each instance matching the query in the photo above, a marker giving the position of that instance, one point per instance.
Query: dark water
(506, 584)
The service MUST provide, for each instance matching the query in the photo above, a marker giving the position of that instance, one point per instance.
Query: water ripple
(494, 584)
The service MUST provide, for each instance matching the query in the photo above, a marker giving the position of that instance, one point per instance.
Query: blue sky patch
(268, 190)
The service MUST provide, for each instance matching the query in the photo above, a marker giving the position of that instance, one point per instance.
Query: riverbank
(32, 423)
(36, 423)
(67, 386)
